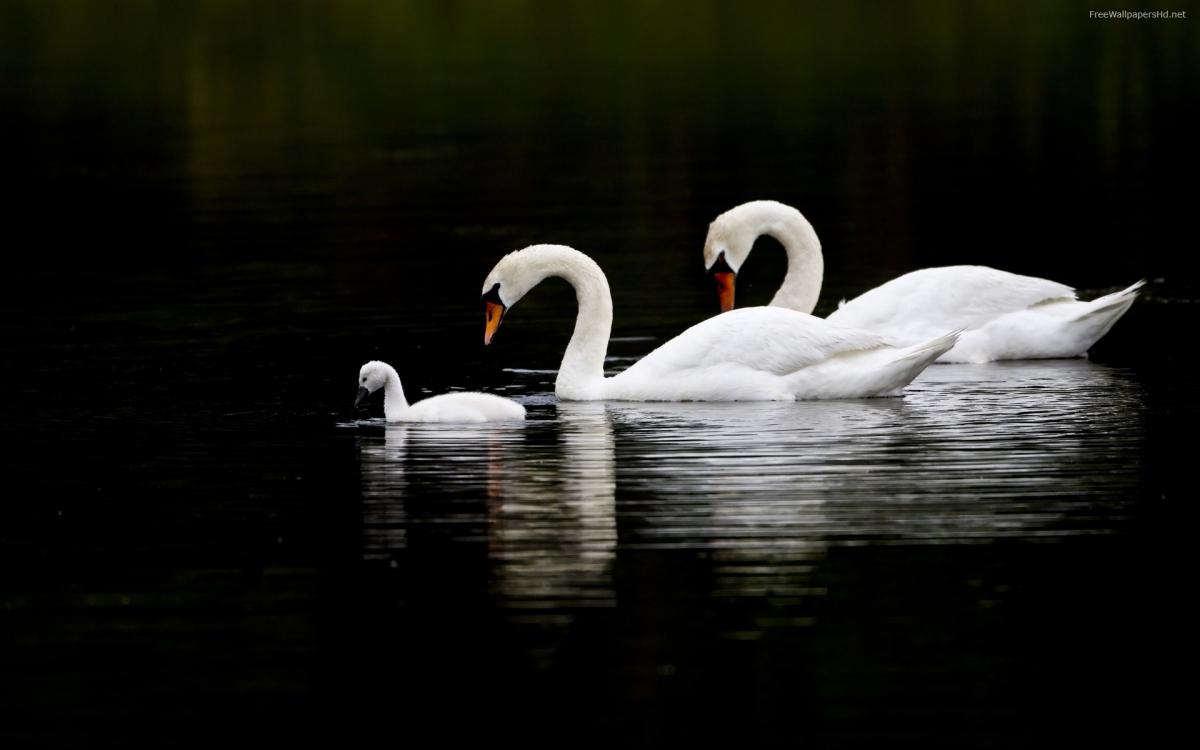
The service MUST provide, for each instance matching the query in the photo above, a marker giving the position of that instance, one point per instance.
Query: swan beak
(362, 396)
(725, 281)
(494, 311)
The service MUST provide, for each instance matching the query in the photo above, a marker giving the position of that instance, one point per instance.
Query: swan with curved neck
(1003, 315)
(756, 354)
(448, 407)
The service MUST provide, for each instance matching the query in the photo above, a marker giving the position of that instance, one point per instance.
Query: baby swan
(449, 407)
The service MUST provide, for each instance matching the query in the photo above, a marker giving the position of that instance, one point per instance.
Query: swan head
(513, 277)
(726, 247)
(371, 377)
(493, 310)
(731, 237)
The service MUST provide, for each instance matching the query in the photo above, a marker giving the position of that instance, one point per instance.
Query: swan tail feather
(930, 350)
(1115, 304)
(1094, 319)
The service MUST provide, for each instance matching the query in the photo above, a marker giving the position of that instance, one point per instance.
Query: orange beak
(725, 281)
(494, 312)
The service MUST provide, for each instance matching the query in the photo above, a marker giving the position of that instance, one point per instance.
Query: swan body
(448, 407)
(1003, 315)
(753, 354)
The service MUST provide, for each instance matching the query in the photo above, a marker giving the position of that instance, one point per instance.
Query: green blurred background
(1023, 135)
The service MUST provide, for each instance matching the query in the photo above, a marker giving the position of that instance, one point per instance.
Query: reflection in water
(971, 453)
(749, 483)
(550, 525)
(384, 485)
(552, 529)
(1029, 450)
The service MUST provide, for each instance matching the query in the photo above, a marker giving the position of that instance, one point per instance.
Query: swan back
(1005, 315)
(935, 299)
(465, 408)
(772, 354)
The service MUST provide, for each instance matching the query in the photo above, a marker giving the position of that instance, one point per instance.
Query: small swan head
(371, 377)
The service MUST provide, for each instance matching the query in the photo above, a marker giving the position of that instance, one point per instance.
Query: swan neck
(581, 374)
(394, 402)
(806, 265)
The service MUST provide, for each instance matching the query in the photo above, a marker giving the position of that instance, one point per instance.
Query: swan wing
(939, 299)
(771, 340)
(465, 407)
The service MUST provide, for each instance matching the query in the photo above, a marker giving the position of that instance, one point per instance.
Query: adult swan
(1003, 315)
(756, 354)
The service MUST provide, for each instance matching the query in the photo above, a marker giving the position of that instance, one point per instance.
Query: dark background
(200, 165)
(215, 211)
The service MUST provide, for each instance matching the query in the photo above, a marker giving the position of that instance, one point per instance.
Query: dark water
(218, 212)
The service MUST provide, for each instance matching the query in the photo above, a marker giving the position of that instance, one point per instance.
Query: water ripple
(971, 454)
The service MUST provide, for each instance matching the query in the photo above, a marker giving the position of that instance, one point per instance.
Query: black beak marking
(492, 295)
(721, 265)
(362, 396)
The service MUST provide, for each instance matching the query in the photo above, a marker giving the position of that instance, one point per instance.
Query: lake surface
(220, 212)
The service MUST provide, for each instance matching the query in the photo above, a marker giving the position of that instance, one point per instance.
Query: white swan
(1003, 315)
(755, 354)
(448, 407)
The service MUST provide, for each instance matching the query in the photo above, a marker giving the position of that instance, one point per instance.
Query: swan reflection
(384, 526)
(971, 453)
(548, 490)
(552, 529)
(1023, 450)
